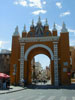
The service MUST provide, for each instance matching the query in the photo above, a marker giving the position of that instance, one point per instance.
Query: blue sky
(20, 12)
(43, 59)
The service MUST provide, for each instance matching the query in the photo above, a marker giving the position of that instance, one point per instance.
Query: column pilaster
(56, 79)
(22, 61)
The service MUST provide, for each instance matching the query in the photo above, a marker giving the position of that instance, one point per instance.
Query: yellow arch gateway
(36, 46)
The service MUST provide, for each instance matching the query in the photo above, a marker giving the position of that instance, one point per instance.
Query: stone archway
(36, 46)
(48, 52)
(39, 36)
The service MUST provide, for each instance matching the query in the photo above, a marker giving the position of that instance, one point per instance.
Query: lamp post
(14, 73)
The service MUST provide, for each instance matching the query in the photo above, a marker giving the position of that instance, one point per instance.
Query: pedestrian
(0, 84)
(4, 85)
(8, 83)
(24, 83)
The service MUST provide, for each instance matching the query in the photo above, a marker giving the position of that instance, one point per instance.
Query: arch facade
(40, 40)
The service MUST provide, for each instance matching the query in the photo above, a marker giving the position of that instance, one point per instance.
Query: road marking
(63, 98)
(51, 98)
(40, 98)
(73, 98)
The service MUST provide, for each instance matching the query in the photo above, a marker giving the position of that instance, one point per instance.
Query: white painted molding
(21, 62)
(56, 80)
(22, 44)
(55, 42)
(39, 39)
(36, 46)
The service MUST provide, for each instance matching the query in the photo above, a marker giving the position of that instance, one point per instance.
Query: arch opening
(41, 70)
(31, 55)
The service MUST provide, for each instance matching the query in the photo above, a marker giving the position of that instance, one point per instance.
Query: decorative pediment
(39, 30)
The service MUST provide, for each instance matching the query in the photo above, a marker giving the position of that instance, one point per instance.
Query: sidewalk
(12, 89)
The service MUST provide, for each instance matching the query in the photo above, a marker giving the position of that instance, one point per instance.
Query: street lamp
(14, 73)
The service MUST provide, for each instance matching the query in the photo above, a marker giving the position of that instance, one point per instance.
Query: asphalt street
(40, 94)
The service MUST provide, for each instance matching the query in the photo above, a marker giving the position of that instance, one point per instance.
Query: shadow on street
(35, 86)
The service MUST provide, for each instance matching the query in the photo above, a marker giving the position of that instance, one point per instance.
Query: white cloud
(58, 27)
(72, 42)
(69, 29)
(44, 2)
(21, 2)
(16, 3)
(59, 5)
(30, 3)
(3, 43)
(65, 14)
(9, 49)
(35, 3)
(39, 11)
(43, 20)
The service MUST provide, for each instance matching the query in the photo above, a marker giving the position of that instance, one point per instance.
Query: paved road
(40, 94)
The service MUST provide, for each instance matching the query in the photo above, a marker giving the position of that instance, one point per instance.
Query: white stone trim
(39, 39)
(56, 80)
(22, 43)
(36, 46)
(55, 43)
(22, 62)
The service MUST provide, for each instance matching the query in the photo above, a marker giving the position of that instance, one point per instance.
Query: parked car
(45, 81)
(35, 81)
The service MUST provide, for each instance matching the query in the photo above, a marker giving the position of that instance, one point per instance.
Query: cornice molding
(39, 39)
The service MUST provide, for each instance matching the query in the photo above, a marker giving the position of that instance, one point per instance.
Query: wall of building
(72, 61)
(5, 63)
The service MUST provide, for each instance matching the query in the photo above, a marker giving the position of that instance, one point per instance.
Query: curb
(12, 91)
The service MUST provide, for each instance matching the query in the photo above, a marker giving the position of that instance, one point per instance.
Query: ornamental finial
(16, 33)
(54, 27)
(64, 29)
(39, 20)
(16, 29)
(46, 23)
(64, 25)
(32, 22)
(24, 28)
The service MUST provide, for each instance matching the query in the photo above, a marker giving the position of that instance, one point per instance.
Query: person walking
(4, 85)
(24, 83)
